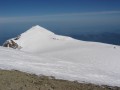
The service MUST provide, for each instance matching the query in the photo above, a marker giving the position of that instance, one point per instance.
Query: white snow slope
(46, 53)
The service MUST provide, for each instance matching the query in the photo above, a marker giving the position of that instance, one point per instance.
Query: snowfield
(46, 53)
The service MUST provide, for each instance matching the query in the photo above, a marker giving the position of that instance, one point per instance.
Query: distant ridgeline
(110, 38)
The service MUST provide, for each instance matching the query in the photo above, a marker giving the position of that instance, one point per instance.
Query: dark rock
(17, 37)
(11, 44)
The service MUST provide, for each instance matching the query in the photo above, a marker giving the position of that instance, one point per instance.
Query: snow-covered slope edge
(97, 72)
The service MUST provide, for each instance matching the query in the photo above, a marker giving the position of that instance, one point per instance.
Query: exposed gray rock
(12, 44)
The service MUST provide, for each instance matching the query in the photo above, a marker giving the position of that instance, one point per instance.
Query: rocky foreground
(16, 80)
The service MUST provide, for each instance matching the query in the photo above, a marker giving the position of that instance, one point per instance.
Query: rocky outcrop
(12, 44)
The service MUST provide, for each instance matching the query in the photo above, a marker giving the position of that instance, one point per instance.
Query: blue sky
(10, 8)
(70, 16)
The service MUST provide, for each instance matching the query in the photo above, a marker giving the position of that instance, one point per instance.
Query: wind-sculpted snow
(64, 58)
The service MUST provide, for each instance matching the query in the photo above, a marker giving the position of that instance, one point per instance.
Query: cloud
(55, 17)
(102, 12)
(88, 13)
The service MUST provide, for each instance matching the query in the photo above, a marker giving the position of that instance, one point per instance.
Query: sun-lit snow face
(43, 52)
(70, 59)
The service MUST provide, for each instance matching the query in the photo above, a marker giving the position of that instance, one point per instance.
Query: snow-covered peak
(62, 57)
(37, 26)
(38, 29)
(37, 38)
